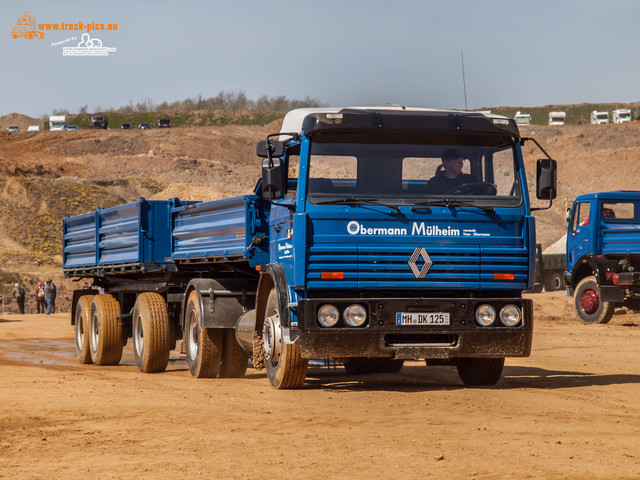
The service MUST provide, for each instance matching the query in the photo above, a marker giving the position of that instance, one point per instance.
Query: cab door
(578, 238)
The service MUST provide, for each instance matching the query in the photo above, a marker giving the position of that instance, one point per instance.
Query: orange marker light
(504, 276)
(332, 275)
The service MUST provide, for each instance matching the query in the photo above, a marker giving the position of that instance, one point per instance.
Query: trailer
(522, 118)
(557, 118)
(549, 271)
(57, 123)
(621, 115)
(599, 118)
(340, 252)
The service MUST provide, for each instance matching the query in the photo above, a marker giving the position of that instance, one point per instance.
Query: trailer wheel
(285, 366)
(83, 327)
(234, 359)
(589, 306)
(202, 345)
(105, 333)
(554, 282)
(151, 333)
(480, 371)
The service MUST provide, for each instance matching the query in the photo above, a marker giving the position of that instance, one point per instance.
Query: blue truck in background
(603, 254)
(341, 252)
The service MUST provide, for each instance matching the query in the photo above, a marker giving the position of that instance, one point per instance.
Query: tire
(83, 327)
(554, 282)
(234, 359)
(151, 333)
(358, 366)
(285, 366)
(203, 345)
(105, 333)
(389, 365)
(589, 307)
(361, 366)
(480, 371)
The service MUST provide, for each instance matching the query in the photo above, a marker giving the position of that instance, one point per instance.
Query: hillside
(45, 175)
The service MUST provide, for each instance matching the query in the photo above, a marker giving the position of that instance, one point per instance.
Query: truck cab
(603, 254)
(376, 263)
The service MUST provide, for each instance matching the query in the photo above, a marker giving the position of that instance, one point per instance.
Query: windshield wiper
(450, 202)
(357, 201)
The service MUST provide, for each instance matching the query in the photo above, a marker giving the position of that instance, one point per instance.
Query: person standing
(50, 296)
(19, 294)
(40, 303)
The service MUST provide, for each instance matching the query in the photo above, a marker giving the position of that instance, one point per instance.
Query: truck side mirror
(546, 179)
(273, 178)
(272, 148)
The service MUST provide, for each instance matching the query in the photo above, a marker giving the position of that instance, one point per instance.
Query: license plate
(417, 318)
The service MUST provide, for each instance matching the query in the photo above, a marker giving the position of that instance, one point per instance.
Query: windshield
(415, 174)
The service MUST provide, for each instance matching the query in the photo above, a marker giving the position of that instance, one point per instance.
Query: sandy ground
(569, 411)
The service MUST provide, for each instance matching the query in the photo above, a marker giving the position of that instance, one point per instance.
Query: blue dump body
(128, 235)
(152, 234)
(220, 229)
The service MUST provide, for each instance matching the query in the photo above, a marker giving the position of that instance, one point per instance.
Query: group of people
(45, 296)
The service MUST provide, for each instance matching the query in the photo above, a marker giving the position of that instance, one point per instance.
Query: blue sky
(342, 52)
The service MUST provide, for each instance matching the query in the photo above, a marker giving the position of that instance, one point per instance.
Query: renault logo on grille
(417, 253)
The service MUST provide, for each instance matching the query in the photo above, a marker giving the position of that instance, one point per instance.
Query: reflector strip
(332, 275)
(504, 276)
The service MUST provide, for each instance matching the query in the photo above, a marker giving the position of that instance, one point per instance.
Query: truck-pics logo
(88, 47)
(26, 27)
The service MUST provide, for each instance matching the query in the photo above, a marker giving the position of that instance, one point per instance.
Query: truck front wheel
(285, 366)
(589, 305)
(83, 327)
(480, 371)
(151, 333)
(203, 345)
(105, 336)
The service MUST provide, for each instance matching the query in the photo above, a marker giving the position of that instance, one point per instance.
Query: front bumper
(381, 337)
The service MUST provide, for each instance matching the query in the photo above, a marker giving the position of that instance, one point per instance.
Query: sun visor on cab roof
(408, 120)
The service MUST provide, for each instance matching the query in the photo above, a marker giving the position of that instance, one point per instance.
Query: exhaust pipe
(244, 331)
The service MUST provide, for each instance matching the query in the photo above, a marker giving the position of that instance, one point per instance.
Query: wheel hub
(138, 335)
(272, 338)
(193, 337)
(590, 301)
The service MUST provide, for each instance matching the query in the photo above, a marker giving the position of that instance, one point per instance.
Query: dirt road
(570, 410)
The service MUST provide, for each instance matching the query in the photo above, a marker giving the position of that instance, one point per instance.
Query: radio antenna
(464, 83)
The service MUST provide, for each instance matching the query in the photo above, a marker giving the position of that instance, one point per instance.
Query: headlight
(355, 315)
(510, 315)
(485, 315)
(328, 315)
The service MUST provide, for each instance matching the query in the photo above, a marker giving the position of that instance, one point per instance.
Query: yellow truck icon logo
(26, 27)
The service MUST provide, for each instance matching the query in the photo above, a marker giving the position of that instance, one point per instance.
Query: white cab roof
(293, 120)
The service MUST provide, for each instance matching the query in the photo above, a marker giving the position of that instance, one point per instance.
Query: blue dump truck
(341, 252)
(603, 254)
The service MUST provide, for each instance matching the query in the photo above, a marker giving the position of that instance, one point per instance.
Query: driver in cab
(449, 175)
